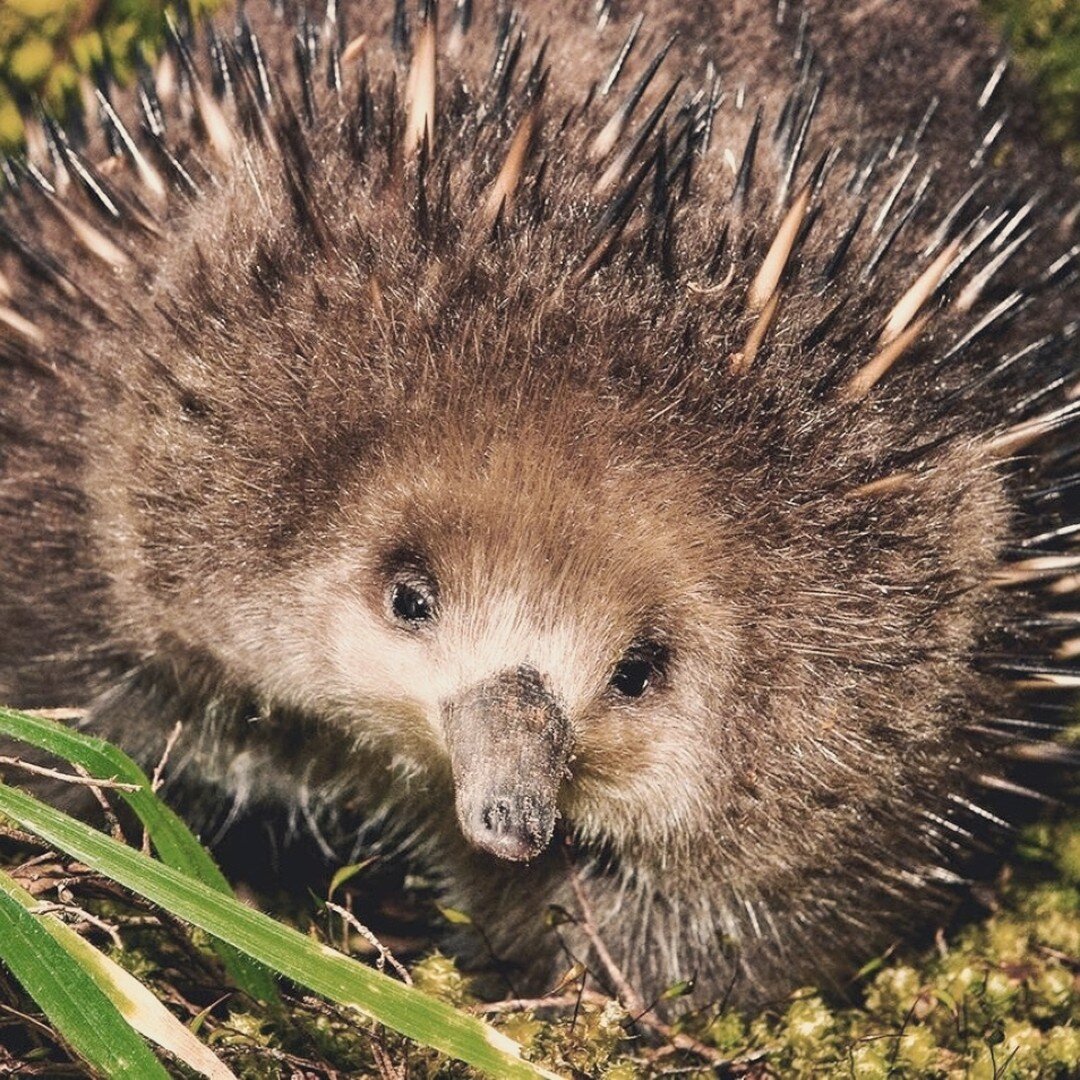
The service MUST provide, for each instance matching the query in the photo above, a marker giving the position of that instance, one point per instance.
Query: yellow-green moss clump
(48, 46)
(1045, 36)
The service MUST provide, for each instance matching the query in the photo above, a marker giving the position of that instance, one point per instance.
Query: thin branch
(156, 779)
(388, 1068)
(26, 1018)
(631, 1000)
(159, 770)
(385, 955)
(558, 1001)
(96, 788)
(10, 833)
(44, 907)
(64, 715)
(67, 778)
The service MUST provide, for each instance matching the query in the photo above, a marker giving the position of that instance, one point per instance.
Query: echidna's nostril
(511, 827)
(496, 816)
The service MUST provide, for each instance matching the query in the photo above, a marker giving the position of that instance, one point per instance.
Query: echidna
(621, 451)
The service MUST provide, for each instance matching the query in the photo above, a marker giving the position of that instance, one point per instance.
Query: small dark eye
(632, 678)
(642, 667)
(412, 603)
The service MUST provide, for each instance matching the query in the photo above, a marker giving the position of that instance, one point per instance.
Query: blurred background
(46, 45)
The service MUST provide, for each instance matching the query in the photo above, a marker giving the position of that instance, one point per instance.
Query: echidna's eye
(631, 678)
(642, 667)
(412, 602)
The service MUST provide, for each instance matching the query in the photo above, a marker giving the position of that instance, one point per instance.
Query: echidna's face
(535, 633)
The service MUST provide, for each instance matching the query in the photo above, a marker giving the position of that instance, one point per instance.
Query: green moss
(1045, 35)
(438, 975)
(46, 46)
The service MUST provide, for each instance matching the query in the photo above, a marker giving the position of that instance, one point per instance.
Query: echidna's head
(541, 541)
(544, 624)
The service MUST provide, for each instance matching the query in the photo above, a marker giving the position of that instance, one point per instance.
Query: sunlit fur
(324, 366)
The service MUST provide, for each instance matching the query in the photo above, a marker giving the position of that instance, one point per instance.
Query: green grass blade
(134, 1001)
(318, 967)
(69, 997)
(172, 839)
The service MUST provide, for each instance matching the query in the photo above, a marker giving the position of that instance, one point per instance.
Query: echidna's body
(466, 422)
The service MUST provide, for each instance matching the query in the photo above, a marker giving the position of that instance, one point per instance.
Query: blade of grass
(88, 1021)
(172, 839)
(324, 970)
(132, 1000)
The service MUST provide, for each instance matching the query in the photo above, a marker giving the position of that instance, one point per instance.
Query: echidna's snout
(510, 744)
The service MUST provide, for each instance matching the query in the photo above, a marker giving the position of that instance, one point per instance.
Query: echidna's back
(888, 70)
(886, 67)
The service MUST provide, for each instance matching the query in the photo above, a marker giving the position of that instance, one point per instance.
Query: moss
(438, 975)
(1045, 36)
(48, 46)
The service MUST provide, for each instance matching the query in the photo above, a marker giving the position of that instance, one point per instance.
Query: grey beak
(510, 745)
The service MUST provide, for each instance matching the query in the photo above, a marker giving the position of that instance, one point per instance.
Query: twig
(385, 955)
(10, 833)
(388, 1068)
(681, 1041)
(62, 714)
(25, 1018)
(565, 1001)
(156, 779)
(1061, 957)
(38, 860)
(84, 780)
(95, 787)
(44, 907)
(631, 1000)
(170, 742)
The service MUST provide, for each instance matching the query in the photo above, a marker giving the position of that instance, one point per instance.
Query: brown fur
(320, 375)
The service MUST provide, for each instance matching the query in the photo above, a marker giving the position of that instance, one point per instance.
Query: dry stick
(85, 779)
(8, 833)
(170, 742)
(37, 860)
(94, 786)
(388, 1068)
(27, 1019)
(1057, 954)
(44, 907)
(630, 998)
(58, 714)
(169, 995)
(385, 955)
(558, 1001)
(159, 771)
